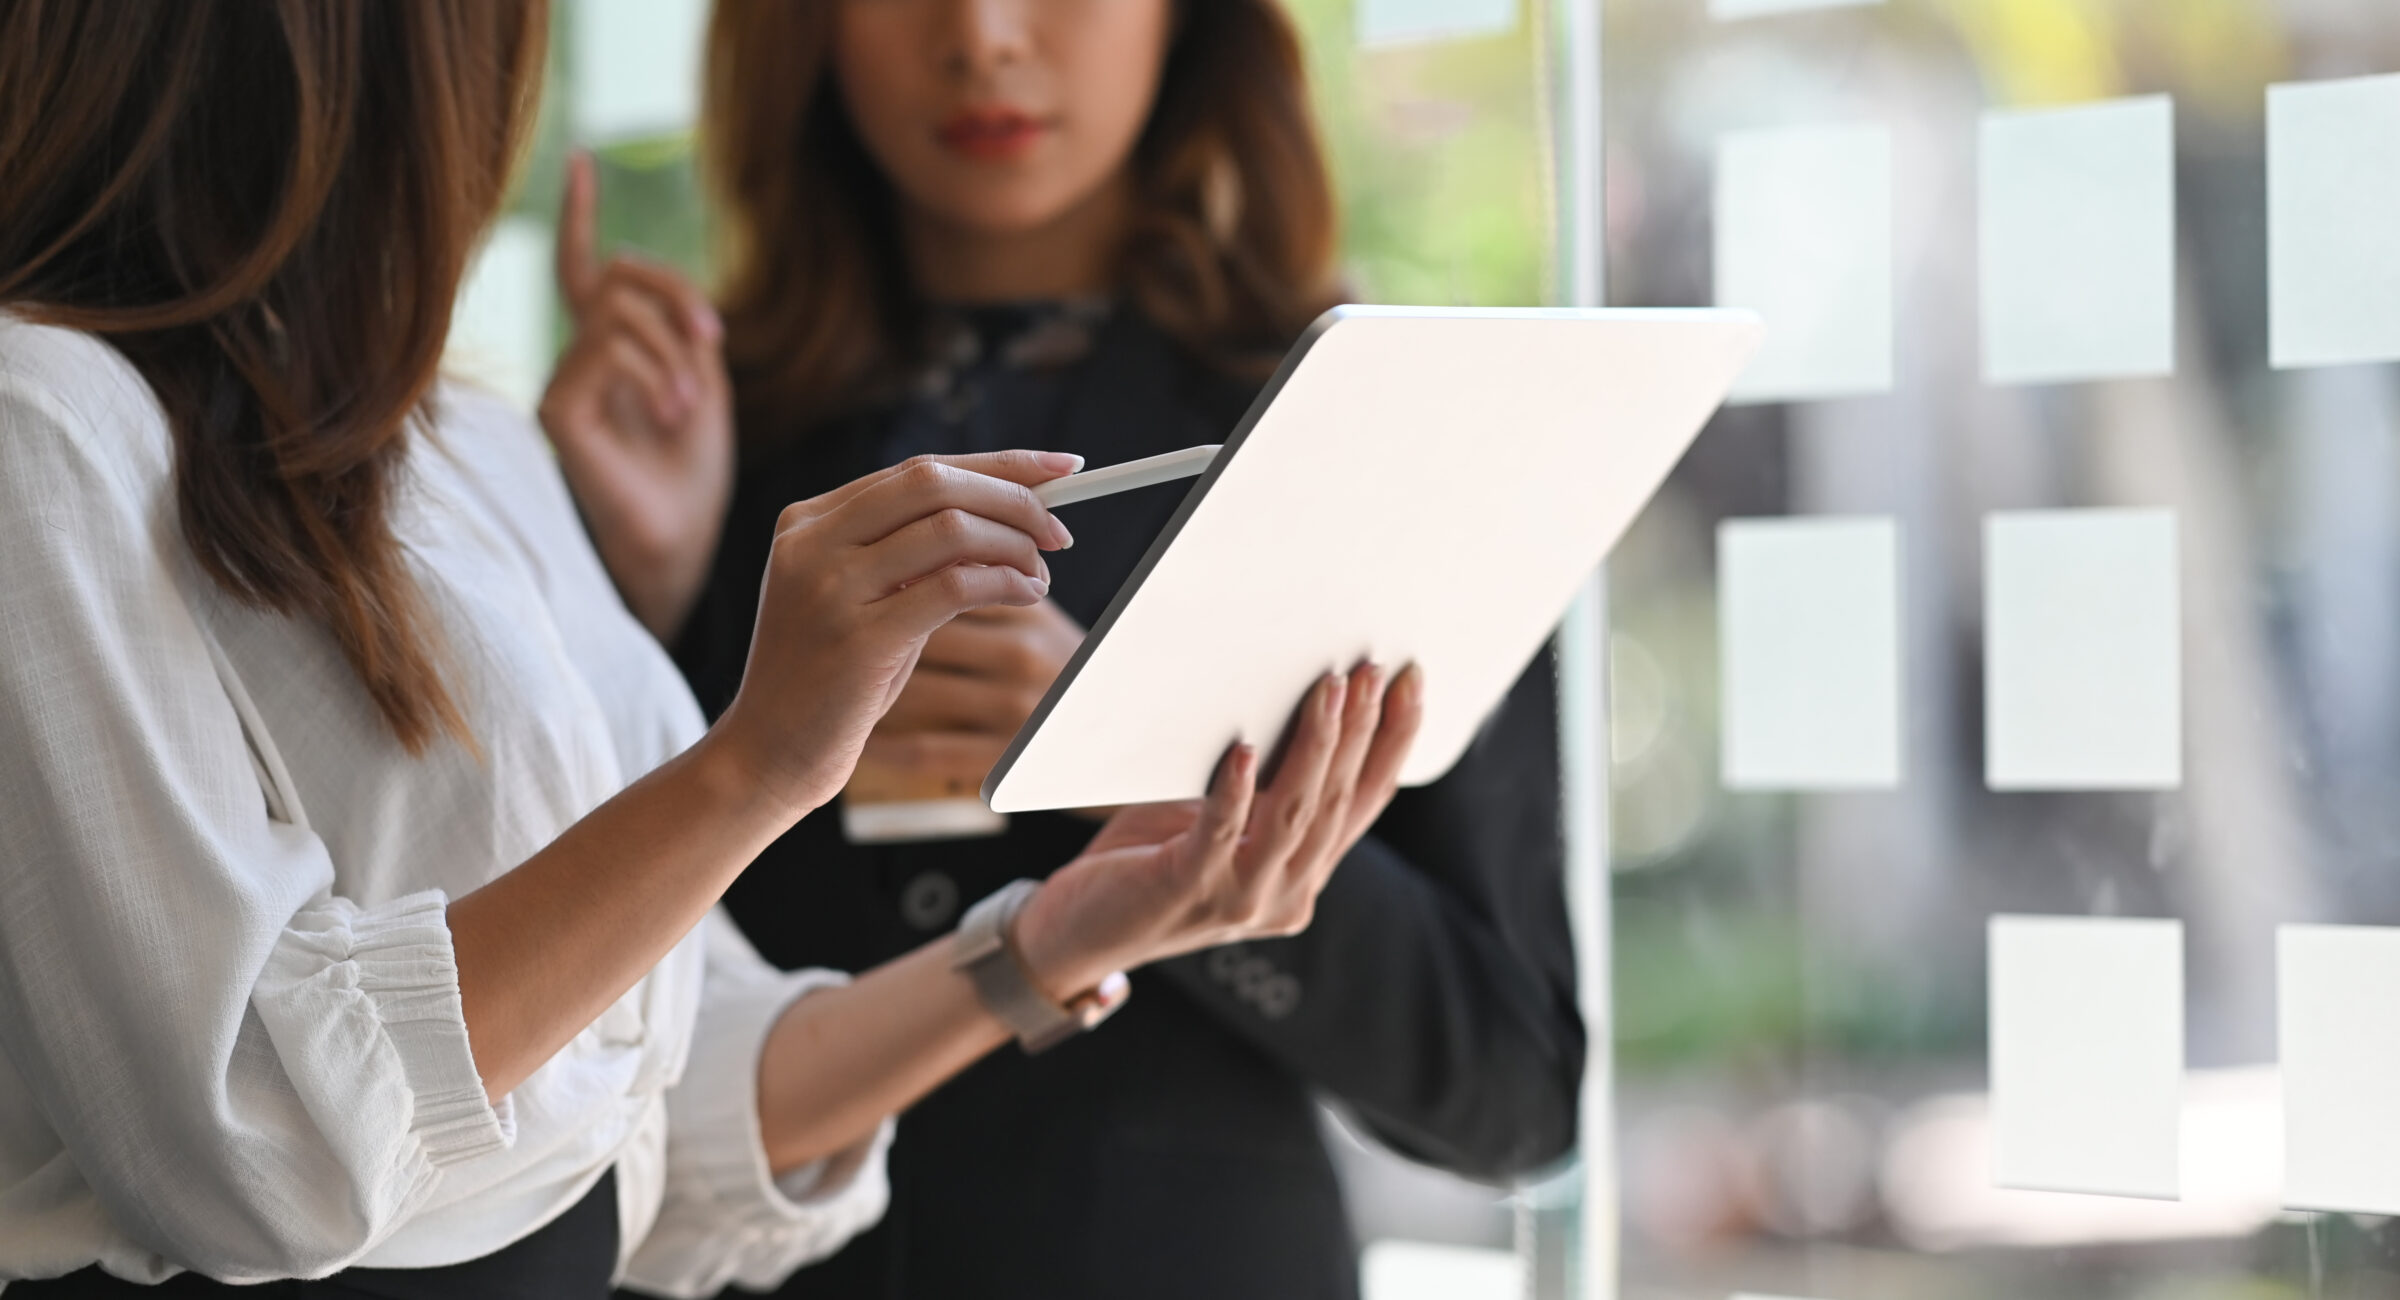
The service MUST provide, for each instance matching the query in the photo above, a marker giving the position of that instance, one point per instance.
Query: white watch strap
(984, 949)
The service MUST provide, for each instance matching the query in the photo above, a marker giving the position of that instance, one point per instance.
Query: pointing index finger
(578, 232)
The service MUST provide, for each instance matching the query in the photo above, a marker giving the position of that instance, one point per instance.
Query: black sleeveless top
(571, 1258)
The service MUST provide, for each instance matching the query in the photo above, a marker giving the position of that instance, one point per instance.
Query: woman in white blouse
(357, 848)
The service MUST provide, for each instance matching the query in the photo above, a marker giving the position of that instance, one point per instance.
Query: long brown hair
(1231, 252)
(267, 206)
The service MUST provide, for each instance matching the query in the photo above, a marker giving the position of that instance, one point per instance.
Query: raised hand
(641, 413)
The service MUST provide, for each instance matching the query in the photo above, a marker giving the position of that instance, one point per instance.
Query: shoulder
(73, 408)
(481, 430)
(503, 455)
(74, 378)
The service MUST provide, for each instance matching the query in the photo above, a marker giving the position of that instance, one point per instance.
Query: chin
(1006, 210)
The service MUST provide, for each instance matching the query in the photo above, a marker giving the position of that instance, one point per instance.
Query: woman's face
(1000, 115)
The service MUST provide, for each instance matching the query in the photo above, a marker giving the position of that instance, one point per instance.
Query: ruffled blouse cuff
(397, 964)
(728, 1218)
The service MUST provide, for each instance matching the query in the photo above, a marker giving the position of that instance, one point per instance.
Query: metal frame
(1572, 31)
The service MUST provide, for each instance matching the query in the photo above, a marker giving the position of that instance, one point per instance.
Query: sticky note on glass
(2338, 1031)
(2083, 660)
(2078, 219)
(2087, 1055)
(2333, 221)
(1809, 644)
(1729, 10)
(1391, 1269)
(1804, 237)
(1415, 22)
(637, 67)
(500, 326)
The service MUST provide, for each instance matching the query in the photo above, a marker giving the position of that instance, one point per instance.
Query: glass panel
(2141, 455)
(1435, 116)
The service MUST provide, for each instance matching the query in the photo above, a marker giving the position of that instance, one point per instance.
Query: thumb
(579, 231)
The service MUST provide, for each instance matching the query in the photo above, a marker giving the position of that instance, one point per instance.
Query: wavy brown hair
(267, 206)
(1231, 252)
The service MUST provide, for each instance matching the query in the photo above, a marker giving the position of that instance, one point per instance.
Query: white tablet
(1414, 484)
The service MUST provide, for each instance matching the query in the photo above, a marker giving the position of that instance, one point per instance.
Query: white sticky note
(2333, 221)
(1730, 10)
(500, 327)
(2078, 219)
(637, 67)
(1804, 237)
(1809, 646)
(2083, 660)
(2338, 1028)
(1414, 22)
(2087, 1055)
(1421, 1270)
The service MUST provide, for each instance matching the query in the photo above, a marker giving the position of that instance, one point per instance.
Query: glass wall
(1437, 118)
(2006, 691)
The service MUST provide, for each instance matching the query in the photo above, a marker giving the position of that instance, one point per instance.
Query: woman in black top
(1086, 226)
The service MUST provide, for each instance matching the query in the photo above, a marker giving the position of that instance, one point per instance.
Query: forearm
(841, 1060)
(544, 950)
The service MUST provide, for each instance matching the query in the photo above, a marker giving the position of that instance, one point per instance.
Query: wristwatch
(985, 948)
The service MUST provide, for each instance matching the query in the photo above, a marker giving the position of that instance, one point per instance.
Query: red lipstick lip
(991, 134)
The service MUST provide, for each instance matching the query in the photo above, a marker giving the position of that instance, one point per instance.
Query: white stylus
(1112, 479)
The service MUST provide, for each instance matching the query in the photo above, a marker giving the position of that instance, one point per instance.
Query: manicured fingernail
(1066, 539)
(1064, 462)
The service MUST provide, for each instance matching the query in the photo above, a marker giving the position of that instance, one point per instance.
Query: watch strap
(984, 948)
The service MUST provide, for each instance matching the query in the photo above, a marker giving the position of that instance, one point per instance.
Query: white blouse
(230, 1037)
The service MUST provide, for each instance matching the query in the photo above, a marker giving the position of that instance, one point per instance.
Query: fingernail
(1064, 462)
(710, 325)
(1066, 540)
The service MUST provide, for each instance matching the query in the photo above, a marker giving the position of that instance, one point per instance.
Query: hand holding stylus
(857, 579)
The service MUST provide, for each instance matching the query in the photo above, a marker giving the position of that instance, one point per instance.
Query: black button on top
(930, 902)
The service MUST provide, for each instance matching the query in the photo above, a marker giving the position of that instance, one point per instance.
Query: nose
(983, 36)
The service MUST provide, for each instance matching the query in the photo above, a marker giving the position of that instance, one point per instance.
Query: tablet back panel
(1416, 484)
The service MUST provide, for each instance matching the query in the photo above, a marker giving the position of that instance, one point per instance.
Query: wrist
(1059, 961)
(740, 779)
(986, 950)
